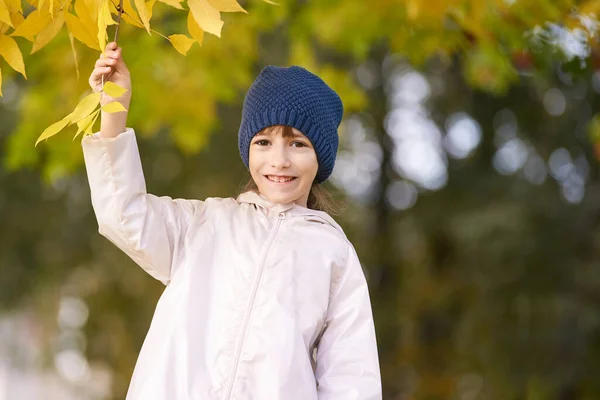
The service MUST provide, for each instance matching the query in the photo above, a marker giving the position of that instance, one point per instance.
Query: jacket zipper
(250, 306)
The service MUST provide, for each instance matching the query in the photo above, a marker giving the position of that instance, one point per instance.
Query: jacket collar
(290, 209)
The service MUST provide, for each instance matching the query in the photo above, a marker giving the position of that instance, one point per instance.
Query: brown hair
(318, 197)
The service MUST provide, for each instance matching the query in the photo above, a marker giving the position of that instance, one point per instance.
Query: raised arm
(150, 229)
(347, 360)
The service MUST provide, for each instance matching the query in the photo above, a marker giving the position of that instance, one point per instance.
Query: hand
(112, 67)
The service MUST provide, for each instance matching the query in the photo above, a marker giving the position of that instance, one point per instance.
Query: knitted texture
(294, 97)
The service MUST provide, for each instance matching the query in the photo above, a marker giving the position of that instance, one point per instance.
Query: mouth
(280, 180)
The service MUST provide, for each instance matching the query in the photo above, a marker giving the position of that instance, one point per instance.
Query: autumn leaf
(17, 19)
(207, 17)
(149, 7)
(82, 111)
(85, 107)
(113, 107)
(53, 129)
(128, 11)
(182, 43)
(76, 27)
(14, 5)
(35, 22)
(194, 30)
(113, 90)
(104, 20)
(143, 13)
(173, 3)
(72, 42)
(227, 6)
(88, 129)
(4, 14)
(9, 50)
(86, 124)
(45, 36)
(85, 16)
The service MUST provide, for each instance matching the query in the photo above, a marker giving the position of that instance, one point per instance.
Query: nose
(280, 157)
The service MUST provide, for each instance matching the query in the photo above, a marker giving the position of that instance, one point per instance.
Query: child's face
(275, 158)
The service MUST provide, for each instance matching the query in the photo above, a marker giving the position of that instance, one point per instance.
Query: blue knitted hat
(298, 98)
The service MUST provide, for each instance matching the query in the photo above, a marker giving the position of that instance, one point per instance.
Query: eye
(300, 144)
(262, 142)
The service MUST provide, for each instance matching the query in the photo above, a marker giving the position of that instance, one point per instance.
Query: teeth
(278, 179)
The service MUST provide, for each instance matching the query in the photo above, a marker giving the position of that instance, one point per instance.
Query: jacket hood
(292, 209)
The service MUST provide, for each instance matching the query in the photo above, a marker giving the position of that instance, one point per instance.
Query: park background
(467, 166)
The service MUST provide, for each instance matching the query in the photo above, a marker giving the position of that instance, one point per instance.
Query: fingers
(112, 51)
(111, 46)
(110, 60)
(106, 62)
(97, 73)
(116, 56)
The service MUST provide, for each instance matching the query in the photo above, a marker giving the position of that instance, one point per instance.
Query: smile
(280, 179)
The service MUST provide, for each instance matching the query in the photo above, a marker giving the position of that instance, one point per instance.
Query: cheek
(253, 159)
(310, 166)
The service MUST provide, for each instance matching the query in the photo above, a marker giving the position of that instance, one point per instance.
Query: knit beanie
(298, 98)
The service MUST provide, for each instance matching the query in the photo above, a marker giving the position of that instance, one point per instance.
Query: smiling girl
(265, 297)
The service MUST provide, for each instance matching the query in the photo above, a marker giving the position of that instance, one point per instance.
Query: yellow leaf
(4, 14)
(85, 17)
(17, 19)
(114, 90)
(93, 8)
(53, 129)
(86, 123)
(227, 6)
(14, 5)
(113, 107)
(72, 42)
(143, 13)
(173, 3)
(107, 15)
(127, 11)
(85, 107)
(45, 36)
(149, 6)
(103, 22)
(11, 53)
(76, 27)
(271, 2)
(35, 22)
(1, 83)
(194, 30)
(181, 43)
(51, 8)
(88, 129)
(207, 17)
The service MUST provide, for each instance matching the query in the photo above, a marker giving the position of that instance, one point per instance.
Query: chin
(279, 198)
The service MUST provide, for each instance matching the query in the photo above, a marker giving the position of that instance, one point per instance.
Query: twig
(120, 9)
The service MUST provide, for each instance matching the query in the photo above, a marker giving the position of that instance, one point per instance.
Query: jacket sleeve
(149, 229)
(347, 359)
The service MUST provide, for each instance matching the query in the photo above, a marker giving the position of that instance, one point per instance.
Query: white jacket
(263, 301)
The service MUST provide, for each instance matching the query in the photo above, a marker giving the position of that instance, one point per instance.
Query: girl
(265, 297)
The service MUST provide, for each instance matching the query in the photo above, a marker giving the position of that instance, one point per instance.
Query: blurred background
(467, 165)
